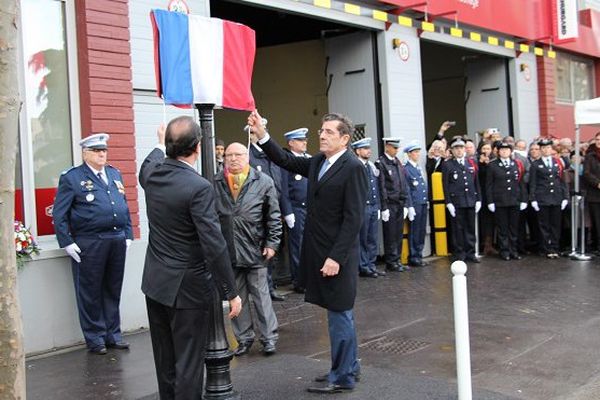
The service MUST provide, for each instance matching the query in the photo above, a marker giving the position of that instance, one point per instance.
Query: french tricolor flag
(200, 60)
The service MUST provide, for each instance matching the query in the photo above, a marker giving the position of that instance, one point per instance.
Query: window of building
(46, 121)
(574, 79)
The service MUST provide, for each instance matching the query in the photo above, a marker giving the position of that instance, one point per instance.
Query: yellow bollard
(439, 214)
(405, 249)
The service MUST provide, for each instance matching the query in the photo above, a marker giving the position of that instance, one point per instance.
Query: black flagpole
(218, 378)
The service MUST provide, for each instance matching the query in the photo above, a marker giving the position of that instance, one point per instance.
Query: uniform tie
(101, 177)
(323, 169)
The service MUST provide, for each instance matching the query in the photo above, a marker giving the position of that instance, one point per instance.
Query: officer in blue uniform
(93, 225)
(368, 232)
(395, 200)
(294, 189)
(463, 200)
(549, 196)
(417, 214)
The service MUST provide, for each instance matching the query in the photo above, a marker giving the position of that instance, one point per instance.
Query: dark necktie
(100, 176)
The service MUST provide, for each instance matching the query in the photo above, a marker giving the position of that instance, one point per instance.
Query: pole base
(581, 257)
(229, 396)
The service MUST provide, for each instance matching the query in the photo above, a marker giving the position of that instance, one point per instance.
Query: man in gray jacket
(251, 223)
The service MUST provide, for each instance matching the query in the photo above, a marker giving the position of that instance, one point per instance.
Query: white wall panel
(526, 116)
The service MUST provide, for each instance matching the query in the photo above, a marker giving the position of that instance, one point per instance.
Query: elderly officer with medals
(549, 196)
(368, 231)
(294, 188)
(417, 214)
(395, 200)
(506, 196)
(93, 225)
(463, 200)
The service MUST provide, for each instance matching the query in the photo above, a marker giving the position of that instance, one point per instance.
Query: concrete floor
(534, 325)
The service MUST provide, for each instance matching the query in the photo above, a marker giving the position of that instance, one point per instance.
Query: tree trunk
(12, 358)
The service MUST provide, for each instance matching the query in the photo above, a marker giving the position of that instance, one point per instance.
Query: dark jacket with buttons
(393, 187)
(416, 184)
(504, 185)
(591, 175)
(461, 186)
(545, 184)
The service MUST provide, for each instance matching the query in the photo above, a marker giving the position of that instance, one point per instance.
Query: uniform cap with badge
(412, 146)
(296, 134)
(503, 145)
(95, 141)
(392, 141)
(545, 142)
(457, 142)
(361, 144)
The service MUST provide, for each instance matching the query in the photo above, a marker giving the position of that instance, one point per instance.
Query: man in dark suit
(186, 260)
(337, 184)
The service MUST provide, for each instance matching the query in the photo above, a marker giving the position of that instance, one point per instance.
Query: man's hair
(345, 125)
(182, 137)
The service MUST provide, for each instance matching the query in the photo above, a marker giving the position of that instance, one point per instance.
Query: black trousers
(393, 234)
(179, 343)
(594, 210)
(463, 233)
(507, 223)
(550, 220)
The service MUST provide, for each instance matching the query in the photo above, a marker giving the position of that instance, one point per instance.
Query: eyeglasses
(98, 150)
(233, 155)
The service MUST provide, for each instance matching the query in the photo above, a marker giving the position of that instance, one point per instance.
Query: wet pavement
(534, 325)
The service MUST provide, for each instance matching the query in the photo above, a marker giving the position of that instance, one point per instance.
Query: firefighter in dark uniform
(368, 246)
(463, 200)
(93, 225)
(395, 201)
(294, 188)
(506, 195)
(417, 214)
(549, 196)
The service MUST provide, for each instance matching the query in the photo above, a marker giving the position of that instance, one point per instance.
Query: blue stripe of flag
(174, 50)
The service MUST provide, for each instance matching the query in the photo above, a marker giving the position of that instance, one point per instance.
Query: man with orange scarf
(251, 224)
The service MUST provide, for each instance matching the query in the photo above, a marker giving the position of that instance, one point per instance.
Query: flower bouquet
(25, 244)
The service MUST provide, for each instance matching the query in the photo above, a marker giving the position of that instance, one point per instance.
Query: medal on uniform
(120, 186)
(258, 168)
(89, 197)
(455, 176)
(82, 183)
(298, 177)
(415, 183)
(89, 185)
(390, 172)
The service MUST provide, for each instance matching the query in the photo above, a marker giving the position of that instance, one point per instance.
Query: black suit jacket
(334, 216)
(186, 248)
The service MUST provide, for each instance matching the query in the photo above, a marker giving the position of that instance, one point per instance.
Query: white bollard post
(461, 330)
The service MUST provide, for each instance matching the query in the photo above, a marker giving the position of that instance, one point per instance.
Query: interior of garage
(290, 79)
(454, 89)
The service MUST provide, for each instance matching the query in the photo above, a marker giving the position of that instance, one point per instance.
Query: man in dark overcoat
(337, 183)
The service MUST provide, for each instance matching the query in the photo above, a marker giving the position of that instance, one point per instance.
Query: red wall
(105, 88)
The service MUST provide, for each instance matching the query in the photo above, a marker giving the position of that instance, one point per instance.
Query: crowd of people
(221, 240)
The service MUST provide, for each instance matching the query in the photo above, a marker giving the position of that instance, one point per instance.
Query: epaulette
(66, 171)
(116, 169)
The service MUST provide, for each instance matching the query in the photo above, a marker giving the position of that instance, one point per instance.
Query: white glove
(535, 206)
(411, 213)
(405, 213)
(73, 250)
(290, 220)
(128, 242)
(492, 207)
(522, 206)
(385, 215)
(563, 205)
(451, 209)
(378, 215)
(477, 206)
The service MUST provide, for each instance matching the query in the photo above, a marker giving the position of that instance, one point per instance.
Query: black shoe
(505, 258)
(403, 268)
(242, 349)
(122, 345)
(299, 289)
(277, 297)
(330, 389)
(516, 257)
(368, 274)
(392, 267)
(381, 272)
(475, 260)
(269, 349)
(325, 378)
(100, 350)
